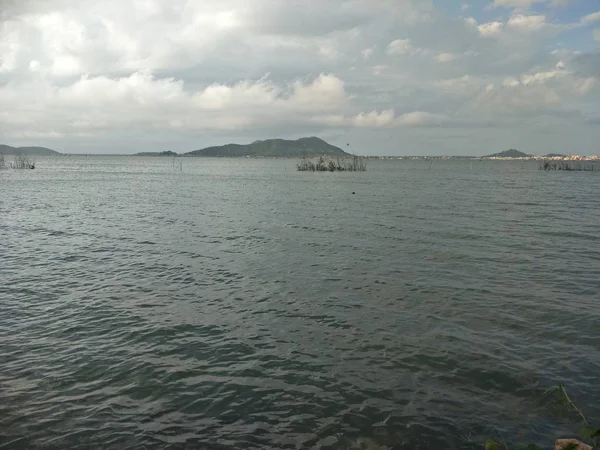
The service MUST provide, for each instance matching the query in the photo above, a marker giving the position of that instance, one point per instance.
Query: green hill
(512, 153)
(304, 147)
(29, 151)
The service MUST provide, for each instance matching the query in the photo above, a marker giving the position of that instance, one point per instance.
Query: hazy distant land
(166, 153)
(303, 147)
(307, 147)
(278, 148)
(29, 151)
(512, 153)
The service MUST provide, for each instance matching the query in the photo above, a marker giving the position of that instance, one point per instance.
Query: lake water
(239, 304)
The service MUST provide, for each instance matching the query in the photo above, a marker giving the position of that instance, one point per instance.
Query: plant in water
(23, 162)
(567, 166)
(588, 434)
(356, 164)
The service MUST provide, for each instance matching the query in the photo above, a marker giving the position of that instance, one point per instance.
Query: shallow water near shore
(238, 303)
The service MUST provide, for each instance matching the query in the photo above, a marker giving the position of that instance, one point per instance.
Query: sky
(388, 77)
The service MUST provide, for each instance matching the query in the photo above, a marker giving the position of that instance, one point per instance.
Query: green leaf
(572, 446)
(532, 447)
(589, 432)
(491, 444)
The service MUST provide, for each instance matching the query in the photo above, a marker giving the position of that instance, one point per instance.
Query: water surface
(242, 304)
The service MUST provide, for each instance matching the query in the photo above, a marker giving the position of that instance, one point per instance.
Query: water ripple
(239, 305)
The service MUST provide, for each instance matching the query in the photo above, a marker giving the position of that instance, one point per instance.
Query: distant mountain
(308, 147)
(512, 153)
(167, 153)
(29, 151)
(555, 155)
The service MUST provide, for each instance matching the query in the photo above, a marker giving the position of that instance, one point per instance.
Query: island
(29, 151)
(512, 153)
(165, 153)
(307, 147)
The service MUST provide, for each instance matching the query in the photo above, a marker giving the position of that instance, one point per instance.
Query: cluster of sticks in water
(357, 164)
(563, 165)
(20, 162)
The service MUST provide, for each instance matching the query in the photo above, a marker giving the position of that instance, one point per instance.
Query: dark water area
(240, 304)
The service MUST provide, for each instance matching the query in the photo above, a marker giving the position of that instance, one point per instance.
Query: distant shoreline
(305, 147)
(308, 147)
(372, 157)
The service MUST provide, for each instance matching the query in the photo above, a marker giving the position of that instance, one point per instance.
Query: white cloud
(520, 26)
(324, 93)
(510, 82)
(379, 69)
(561, 2)
(34, 65)
(490, 29)
(527, 4)
(405, 47)
(420, 118)
(530, 94)
(143, 100)
(65, 65)
(445, 57)
(375, 119)
(367, 52)
(387, 119)
(471, 21)
(178, 69)
(541, 77)
(585, 85)
(9, 47)
(514, 99)
(400, 47)
(526, 23)
(453, 83)
(523, 4)
(591, 18)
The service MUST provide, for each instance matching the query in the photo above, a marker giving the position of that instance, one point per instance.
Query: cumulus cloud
(591, 18)
(490, 28)
(513, 99)
(387, 119)
(164, 103)
(526, 23)
(375, 119)
(400, 47)
(523, 4)
(527, 4)
(538, 93)
(112, 71)
(366, 53)
(519, 24)
(93, 105)
(445, 57)
(420, 118)
(471, 21)
(405, 47)
(465, 86)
